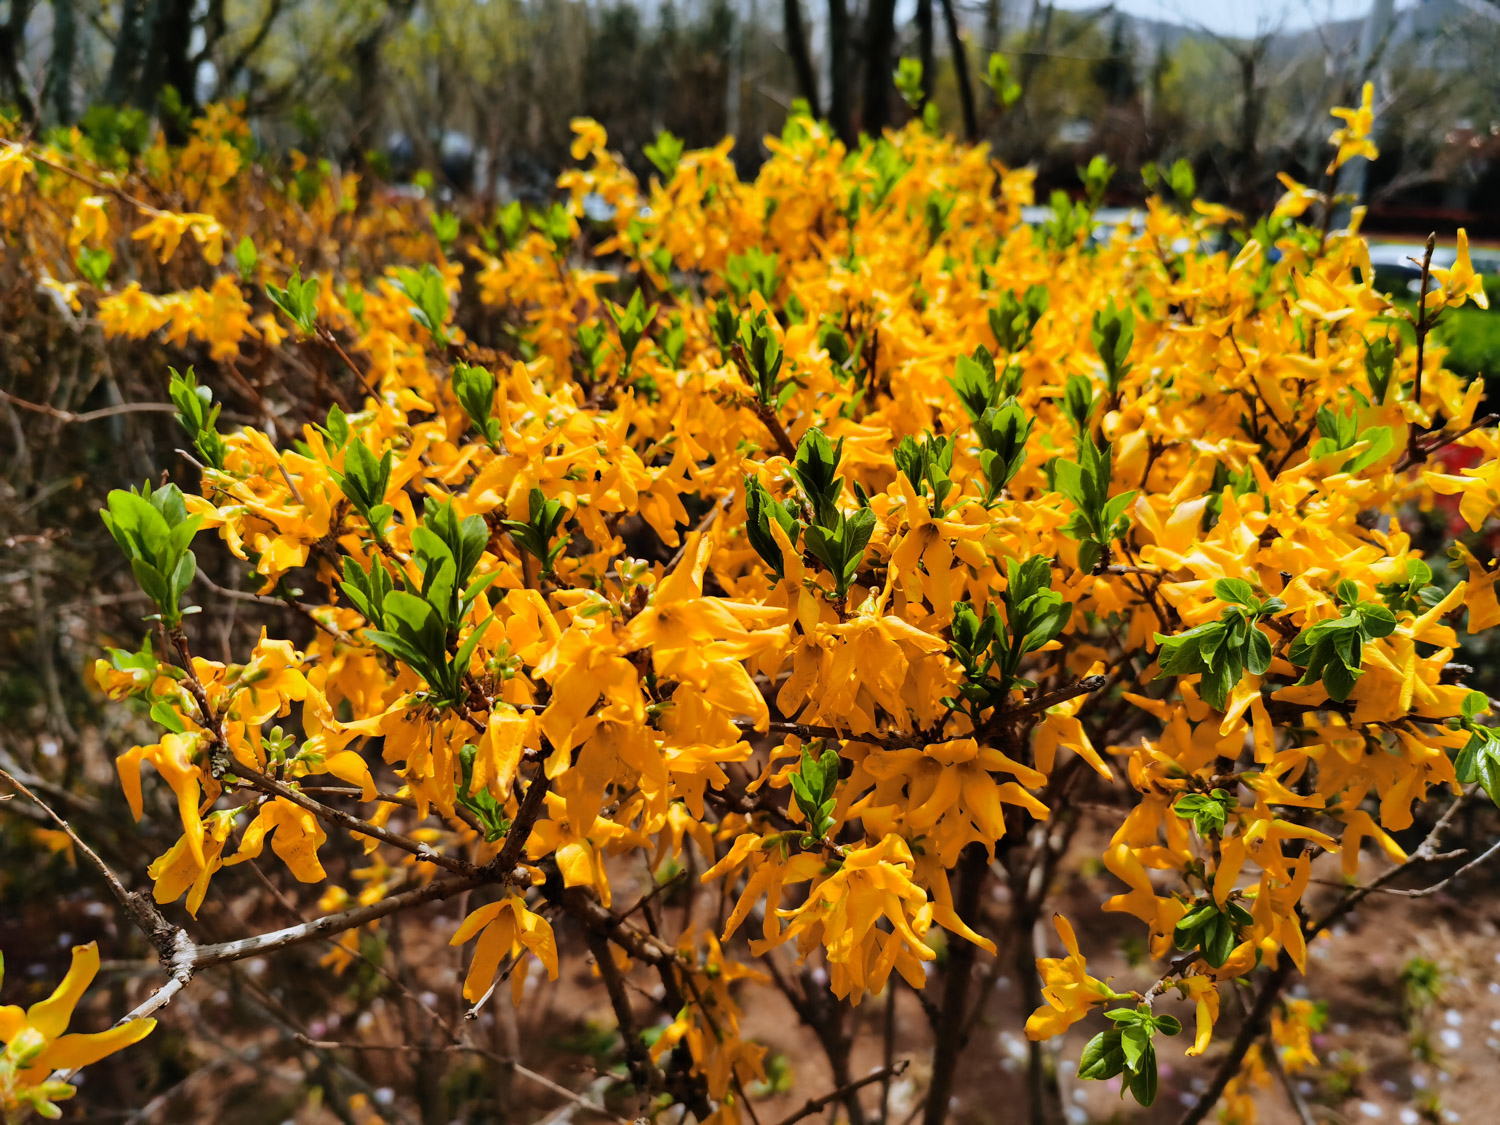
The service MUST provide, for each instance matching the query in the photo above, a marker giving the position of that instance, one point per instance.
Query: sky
(1238, 17)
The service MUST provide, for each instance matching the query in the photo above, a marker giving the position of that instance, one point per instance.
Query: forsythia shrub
(836, 536)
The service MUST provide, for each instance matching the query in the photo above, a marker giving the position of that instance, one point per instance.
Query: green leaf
(1236, 591)
(1103, 1057)
(165, 714)
(1143, 1079)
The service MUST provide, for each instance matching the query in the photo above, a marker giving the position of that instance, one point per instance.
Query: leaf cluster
(1098, 519)
(154, 530)
(1222, 651)
(1035, 614)
(299, 300)
(1127, 1051)
(1211, 930)
(534, 534)
(420, 624)
(813, 791)
(197, 413)
(474, 387)
(1332, 650)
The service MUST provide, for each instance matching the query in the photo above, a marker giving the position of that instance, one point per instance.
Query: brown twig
(1422, 328)
(813, 1105)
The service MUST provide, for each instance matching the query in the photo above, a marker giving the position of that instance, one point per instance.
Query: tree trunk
(1250, 106)
(991, 42)
(925, 50)
(961, 72)
(840, 51)
(369, 95)
(64, 58)
(168, 60)
(973, 869)
(880, 35)
(796, 46)
(12, 43)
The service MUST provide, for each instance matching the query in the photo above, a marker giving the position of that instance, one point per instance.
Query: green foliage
(445, 226)
(1341, 432)
(197, 412)
(1222, 651)
(93, 265)
(997, 77)
(665, 153)
(979, 387)
(631, 322)
(1211, 930)
(1096, 176)
(936, 210)
(761, 349)
(1016, 318)
(534, 534)
(889, 166)
(1098, 519)
(592, 340)
(489, 812)
(366, 589)
(421, 624)
(813, 790)
(1067, 224)
(116, 132)
(512, 221)
(1127, 1050)
(836, 541)
(753, 271)
(474, 387)
(1332, 650)
(556, 225)
(246, 256)
(1003, 433)
(154, 530)
(429, 296)
(1113, 334)
(1380, 363)
(299, 300)
(1414, 595)
(927, 463)
(1178, 179)
(672, 341)
(725, 326)
(365, 481)
(1035, 614)
(760, 509)
(1479, 760)
(1078, 405)
(1209, 811)
(908, 79)
(1472, 338)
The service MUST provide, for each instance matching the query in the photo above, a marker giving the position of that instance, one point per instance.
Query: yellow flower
(505, 928)
(298, 835)
(35, 1043)
(90, 221)
(1460, 282)
(1354, 138)
(1067, 988)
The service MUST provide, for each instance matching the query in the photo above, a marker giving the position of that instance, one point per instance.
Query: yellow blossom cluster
(836, 527)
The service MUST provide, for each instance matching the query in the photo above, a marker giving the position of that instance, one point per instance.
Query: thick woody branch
(205, 956)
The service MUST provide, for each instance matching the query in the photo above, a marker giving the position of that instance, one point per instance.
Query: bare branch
(813, 1105)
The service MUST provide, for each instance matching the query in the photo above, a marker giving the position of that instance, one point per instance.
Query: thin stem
(882, 1074)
